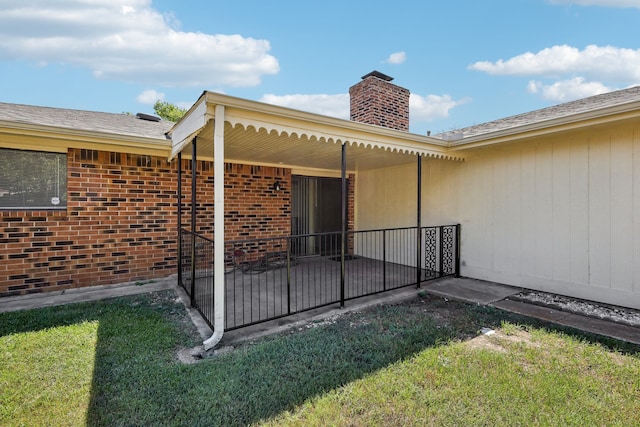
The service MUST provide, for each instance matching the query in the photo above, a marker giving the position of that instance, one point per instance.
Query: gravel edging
(616, 314)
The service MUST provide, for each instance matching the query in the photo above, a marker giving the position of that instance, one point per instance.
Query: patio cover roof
(258, 133)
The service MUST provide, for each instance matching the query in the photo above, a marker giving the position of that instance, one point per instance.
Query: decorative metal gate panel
(441, 251)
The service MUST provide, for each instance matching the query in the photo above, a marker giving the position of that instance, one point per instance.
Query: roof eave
(75, 138)
(572, 122)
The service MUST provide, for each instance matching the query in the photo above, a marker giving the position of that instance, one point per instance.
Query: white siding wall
(559, 215)
(387, 198)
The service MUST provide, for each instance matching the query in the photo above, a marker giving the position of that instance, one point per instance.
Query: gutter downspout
(218, 229)
(343, 215)
(419, 226)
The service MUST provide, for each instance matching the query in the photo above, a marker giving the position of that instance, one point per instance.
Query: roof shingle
(584, 105)
(109, 123)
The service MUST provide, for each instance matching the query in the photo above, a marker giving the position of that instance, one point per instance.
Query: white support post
(218, 229)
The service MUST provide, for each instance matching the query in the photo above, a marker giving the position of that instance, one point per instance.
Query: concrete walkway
(459, 289)
(497, 295)
(91, 293)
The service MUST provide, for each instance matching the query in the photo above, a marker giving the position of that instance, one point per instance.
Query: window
(32, 180)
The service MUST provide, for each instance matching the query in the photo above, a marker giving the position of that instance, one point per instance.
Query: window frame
(59, 184)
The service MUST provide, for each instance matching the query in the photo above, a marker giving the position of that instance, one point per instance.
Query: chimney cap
(379, 75)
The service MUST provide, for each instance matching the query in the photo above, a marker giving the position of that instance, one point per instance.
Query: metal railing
(269, 278)
(195, 272)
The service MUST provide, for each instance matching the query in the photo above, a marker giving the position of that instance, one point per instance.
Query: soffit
(253, 146)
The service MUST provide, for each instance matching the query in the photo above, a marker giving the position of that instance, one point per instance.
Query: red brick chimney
(377, 101)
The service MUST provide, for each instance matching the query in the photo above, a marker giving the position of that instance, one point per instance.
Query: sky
(464, 62)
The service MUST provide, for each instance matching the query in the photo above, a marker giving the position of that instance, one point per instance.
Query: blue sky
(465, 62)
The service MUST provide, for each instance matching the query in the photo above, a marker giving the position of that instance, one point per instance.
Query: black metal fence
(195, 271)
(269, 278)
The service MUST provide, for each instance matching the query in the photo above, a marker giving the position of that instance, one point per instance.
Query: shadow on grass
(138, 381)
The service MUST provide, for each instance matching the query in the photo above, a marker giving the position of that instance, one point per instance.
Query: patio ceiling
(257, 133)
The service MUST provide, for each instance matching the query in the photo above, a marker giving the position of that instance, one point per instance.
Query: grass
(35, 379)
(114, 363)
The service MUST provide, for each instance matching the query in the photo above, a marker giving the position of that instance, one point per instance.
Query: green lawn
(114, 362)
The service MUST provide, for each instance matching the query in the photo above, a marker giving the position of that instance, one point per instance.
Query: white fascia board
(189, 126)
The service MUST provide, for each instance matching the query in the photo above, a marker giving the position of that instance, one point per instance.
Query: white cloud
(568, 90)
(593, 62)
(571, 73)
(431, 107)
(328, 105)
(421, 108)
(150, 97)
(130, 41)
(184, 104)
(397, 58)
(603, 3)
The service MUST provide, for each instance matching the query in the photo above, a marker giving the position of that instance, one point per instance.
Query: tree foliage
(169, 111)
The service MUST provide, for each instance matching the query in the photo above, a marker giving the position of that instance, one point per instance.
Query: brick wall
(378, 102)
(120, 224)
(204, 196)
(253, 208)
